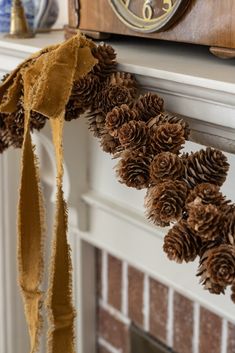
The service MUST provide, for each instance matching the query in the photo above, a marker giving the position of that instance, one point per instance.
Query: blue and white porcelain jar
(5, 13)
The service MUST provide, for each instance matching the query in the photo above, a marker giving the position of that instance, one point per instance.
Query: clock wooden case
(205, 22)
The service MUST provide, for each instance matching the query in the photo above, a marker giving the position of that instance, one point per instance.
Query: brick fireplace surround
(126, 295)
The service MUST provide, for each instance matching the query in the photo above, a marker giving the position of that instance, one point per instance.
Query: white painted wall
(63, 14)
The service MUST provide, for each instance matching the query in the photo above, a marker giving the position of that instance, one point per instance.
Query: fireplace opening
(143, 343)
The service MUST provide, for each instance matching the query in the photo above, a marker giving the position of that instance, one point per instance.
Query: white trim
(196, 323)
(170, 317)
(114, 312)
(3, 270)
(108, 346)
(104, 275)
(146, 303)
(124, 288)
(224, 336)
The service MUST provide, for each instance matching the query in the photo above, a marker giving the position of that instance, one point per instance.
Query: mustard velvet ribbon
(46, 80)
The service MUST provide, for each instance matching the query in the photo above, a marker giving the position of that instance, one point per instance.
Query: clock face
(148, 15)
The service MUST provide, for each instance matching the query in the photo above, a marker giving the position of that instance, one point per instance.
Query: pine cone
(168, 137)
(133, 169)
(149, 106)
(133, 134)
(181, 244)
(206, 220)
(229, 225)
(107, 60)
(73, 112)
(164, 202)
(208, 194)
(166, 165)
(37, 121)
(208, 165)
(85, 91)
(5, 140)
(123, 79)
(113, 96)
(96, 123)
(117, 117)
(166, 117)
(218, 265)
(110, 144)
(233, 292)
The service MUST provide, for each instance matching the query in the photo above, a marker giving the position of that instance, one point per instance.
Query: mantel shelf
(193, 82)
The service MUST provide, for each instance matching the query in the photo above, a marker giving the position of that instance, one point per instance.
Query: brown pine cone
(218, 265)
(166, 165)
(208, 165)
(107, 60)
(85, 91)
(229, 225)
(114, 96)
(123, 79)
(149, 106)
(5, 141)
(206, 220)
(181, 243)
(110, 144)
(133, 169)
(73, 112)
(166, 117)
(133, 134)
(168, 137)
(37, 121)
(96, 123)
(164, 202)
(233, 292)
(208, 194)
(117, 117)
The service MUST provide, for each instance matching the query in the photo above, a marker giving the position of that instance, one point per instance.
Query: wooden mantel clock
(205, 22)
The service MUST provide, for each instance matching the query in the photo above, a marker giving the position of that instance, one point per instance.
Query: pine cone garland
(133, 169)
(206, 220)
(149, 105)
(208, 194)
(168, 137)
(96, 123)
(233, 292)
(117, 117)
(85, 91)
(208, 165)
(110, 144)
(166, 165)
(164, 202)
(181, 243)
(218, 265)
(73, 112)
(113, 96)
(133, 134)
(165, 117)
(106, 60)
(123, 79)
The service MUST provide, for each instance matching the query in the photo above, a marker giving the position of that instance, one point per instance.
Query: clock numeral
(167, 5)
(147, 10)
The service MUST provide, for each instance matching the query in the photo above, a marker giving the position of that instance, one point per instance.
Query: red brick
(210, 332)
(98, 263)
(113, 331)
(231, 338)
(114, 282)
(183, 324)
(158, 310)
(135, 295)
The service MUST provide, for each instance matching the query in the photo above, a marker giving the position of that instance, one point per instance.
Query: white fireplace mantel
(104, 213)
